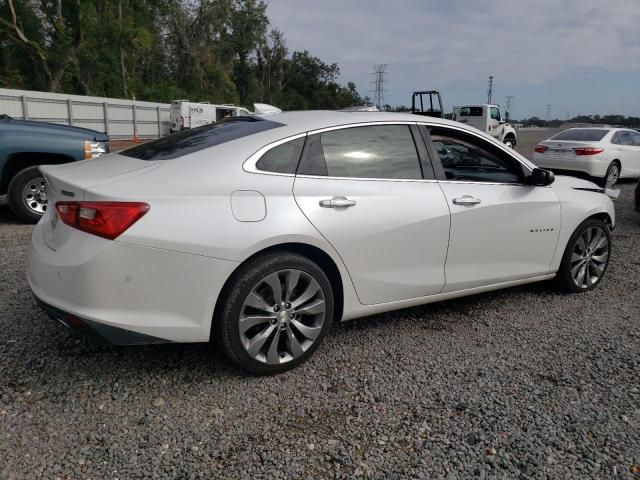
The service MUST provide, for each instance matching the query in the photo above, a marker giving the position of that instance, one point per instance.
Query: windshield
(581, 134)
(196, 139)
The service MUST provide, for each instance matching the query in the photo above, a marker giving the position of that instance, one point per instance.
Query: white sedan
(605, 154)
(258, 233)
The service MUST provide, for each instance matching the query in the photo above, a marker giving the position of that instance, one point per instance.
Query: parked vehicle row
(258, 233)
(605, 154)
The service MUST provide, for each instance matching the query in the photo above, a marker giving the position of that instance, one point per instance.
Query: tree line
(222, 51)
(615, 120)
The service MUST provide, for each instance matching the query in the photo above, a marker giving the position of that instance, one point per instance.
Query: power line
(490, 91)
(509, 98)
(378, 95)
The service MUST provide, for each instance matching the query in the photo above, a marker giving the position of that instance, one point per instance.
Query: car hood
(76, 131)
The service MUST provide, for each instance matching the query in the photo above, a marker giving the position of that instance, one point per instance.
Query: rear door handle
(466, 200)
(337, 202)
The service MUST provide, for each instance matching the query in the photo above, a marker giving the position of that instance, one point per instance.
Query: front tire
(278, 309)
(27, 195)
(510, 142)
(586, 257)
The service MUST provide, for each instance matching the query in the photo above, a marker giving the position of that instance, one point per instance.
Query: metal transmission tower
(509, 98)
(548, 112)
(490, 91)
(378, 94)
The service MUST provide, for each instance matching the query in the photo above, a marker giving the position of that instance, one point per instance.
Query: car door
(627, 151)
(369, 191)
(495, 129)
(501, 228)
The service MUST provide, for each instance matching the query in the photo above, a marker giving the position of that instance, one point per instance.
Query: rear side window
(471, 111)
(581, 135)
(283, 158)
(196, 139)
(380, 151)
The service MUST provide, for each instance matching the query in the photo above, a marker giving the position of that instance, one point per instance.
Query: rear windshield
(581, 134)
(196, 139)
(471, 111)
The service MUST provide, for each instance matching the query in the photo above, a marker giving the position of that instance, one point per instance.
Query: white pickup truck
(489, 119)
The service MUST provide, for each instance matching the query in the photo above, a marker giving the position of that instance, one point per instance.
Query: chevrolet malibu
(259, 232)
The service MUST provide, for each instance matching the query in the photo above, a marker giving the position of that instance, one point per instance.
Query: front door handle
(337, 202)
(466, 200)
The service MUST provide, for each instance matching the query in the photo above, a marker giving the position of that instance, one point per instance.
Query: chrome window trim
(250, 163)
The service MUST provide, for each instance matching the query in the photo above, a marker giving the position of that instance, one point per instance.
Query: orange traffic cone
(136, 138)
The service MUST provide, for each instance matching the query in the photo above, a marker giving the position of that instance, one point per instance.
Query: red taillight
(588, 150)
(540, 148)
(104, 219)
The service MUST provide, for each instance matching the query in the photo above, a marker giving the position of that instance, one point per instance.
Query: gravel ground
(522, 383)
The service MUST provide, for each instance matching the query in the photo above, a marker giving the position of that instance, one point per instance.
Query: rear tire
(612, 176)
(586, 257)
(27, 195)
(278, 309)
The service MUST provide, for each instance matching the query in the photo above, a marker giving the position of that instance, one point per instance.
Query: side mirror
(541, 178)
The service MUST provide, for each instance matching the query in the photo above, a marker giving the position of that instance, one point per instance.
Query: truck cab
(488, 118)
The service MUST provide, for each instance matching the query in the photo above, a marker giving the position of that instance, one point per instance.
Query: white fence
(115, 117)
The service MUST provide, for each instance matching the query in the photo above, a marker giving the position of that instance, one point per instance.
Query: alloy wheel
(589, 257)
(612, 176)
(282, 316)
(34, 195)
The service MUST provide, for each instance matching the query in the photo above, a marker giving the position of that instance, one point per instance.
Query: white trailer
(489, 119)
(185, 114)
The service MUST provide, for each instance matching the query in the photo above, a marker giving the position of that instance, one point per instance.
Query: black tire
(612, 165)
(510, 139)
(564, 279)
(226, 325)
(15, 194)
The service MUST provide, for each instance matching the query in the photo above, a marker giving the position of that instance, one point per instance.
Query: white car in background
(604, 154)
(259, 232)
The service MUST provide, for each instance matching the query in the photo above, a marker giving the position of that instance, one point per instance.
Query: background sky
(580, 56)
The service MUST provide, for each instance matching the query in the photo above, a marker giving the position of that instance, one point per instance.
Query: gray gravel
(523, 383)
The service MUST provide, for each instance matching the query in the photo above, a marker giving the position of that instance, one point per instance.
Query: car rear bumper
(126, 293)
(113, 335)
(592, 167)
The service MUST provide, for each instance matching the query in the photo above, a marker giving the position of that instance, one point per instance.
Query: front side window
(282, 158)
(471, 159)
(495, 113)
(378, 151)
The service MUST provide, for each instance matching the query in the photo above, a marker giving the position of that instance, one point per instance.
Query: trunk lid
(559, 149)
(69, 182)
